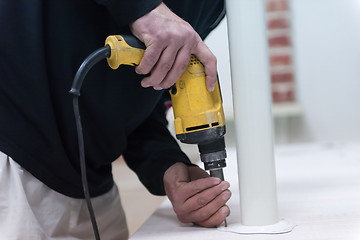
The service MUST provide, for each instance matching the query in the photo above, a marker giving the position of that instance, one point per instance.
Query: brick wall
(280, 50)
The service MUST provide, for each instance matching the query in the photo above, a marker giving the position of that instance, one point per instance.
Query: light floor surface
(137, 202)
(318, 187)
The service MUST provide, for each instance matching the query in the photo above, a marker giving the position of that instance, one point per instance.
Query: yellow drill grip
(195, 108)
(125, 50)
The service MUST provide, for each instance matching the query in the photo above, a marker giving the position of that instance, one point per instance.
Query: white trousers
(31, 210)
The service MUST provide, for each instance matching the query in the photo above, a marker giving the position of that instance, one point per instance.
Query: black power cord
(88, 63)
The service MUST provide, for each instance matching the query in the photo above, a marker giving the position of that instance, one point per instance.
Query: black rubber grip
(133, 41)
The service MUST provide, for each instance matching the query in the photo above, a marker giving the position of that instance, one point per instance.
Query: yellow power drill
(198, 114)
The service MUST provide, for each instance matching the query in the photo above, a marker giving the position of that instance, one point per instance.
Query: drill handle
(125, 50)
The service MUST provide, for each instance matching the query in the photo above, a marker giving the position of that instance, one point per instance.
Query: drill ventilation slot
(202, 126)
(214, 124)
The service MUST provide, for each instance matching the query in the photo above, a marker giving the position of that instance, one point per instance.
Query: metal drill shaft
(219, 174)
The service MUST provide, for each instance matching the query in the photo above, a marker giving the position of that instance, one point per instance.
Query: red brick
(282, 77)
(287, 96)
(277, 60)
(277, 5)
(278, 23)
(279, 41)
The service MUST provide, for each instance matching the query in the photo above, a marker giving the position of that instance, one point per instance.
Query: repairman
(43, 42)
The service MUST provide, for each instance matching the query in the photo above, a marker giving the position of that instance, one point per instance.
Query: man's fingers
(208, 59)
(194, 187)
(185, 190)
(216, 219)
(179, 66)
(150, 58)
(199, 201)
(161, 69)
(206, 212)
(203, 198)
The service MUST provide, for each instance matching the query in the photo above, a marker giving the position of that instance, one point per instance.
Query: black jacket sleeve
(127, 11)
(152, 150)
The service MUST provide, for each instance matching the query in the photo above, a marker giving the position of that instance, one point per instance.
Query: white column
(252, 111)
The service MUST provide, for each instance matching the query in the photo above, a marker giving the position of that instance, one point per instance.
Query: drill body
(198, 114)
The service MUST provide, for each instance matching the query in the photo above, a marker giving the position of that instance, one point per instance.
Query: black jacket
(42, 44)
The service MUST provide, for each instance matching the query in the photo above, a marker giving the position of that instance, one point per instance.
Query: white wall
(327, 60)
(327, 51)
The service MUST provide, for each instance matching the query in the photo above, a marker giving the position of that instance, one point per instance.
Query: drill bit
(219, 174)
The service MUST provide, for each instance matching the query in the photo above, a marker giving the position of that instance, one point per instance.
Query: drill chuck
(213, 155)
(214, 160)
(211, 144)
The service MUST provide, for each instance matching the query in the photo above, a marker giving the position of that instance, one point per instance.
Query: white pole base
(282, 226)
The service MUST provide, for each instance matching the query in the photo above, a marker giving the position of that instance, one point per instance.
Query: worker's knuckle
(191, 41)
(216, 193)
(176, 36)
(189, 30)
(223, 197)
(201, 201)
(196, 188)
(185, 32)
(166, 66)
(161, 37)
(204, 214)
(150, 60)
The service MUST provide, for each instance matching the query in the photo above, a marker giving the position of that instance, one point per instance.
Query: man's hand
(195, 196)
(169, 42)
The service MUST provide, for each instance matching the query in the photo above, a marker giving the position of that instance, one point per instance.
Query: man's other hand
(195, 196)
